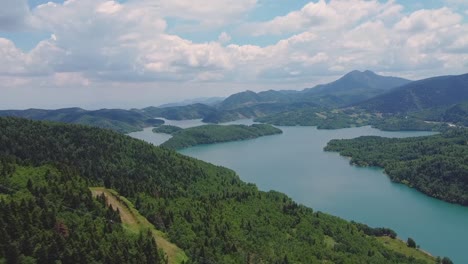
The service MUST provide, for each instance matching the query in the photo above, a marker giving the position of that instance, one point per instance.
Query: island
(167, 129)
(435, 165)
(208, 134)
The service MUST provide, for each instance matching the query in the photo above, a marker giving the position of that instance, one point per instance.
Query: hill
(206, 210)
(354, 87)
(435, 165)
(209, 134)
(420, 95)
(123, 121)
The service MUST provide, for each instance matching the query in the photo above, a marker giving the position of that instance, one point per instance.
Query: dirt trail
(125, 215)
(136, 222)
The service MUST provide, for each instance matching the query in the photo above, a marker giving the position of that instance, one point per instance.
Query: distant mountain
(193, 111)
(424, 94)
(204, 100)
(249, 98)
(123, 121)
(353, 87)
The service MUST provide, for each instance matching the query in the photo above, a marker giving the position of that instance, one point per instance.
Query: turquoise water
(295, 163)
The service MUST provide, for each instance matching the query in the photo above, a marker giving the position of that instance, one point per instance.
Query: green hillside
(209, 134)
(123, 121)
(435, 165)
(205, 210)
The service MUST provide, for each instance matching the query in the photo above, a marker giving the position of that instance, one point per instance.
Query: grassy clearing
(135, 222)
(401, 247)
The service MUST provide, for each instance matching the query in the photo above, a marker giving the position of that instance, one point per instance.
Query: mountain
(46, 170)
(203, 100)
(193, 111)
(420, 95)
(249, 98)
(123, 121)
(353, 87)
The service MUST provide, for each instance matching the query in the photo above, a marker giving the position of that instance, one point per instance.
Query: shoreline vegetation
(209, 134)
(435, 165)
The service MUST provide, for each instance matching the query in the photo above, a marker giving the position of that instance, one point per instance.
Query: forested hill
(123, 121)
(435, 165)
(209, 134)
(206, 210)
(420, 95)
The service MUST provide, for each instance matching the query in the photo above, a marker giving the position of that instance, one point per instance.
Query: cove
(295, 163)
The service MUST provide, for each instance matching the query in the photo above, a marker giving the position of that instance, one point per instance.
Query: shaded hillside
(123, 121)
(206, 210)
(420, 95)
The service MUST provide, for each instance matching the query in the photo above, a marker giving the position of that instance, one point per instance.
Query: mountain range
(433, 99)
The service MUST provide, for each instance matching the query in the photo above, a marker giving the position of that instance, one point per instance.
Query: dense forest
(436, 165)
(206, 210)
(324, 118)
(122, 121)
(47, 215)
(167, 129)
(209, 134)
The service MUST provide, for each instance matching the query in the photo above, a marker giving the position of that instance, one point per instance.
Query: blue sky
(103, 53)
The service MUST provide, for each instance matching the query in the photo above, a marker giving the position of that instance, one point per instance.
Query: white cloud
(325, 16)
(106, 42)
(424, 20)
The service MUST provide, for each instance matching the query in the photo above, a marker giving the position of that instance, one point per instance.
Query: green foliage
(167, 129)
(411, 243)
(446, 260)
(436, 165)
(122, 121)
(206, 210)
(404, 123)
(208, 134)
(320, 117)
(47, 215)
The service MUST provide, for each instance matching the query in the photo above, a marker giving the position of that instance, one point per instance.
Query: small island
(167, 129)
(208, 134)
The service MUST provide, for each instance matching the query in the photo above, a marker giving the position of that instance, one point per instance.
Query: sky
(137, 53)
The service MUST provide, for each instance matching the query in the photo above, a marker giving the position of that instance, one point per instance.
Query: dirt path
(137, 223)
(125, 215)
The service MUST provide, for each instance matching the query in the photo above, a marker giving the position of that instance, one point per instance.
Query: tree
(411, 243)
(446, 260)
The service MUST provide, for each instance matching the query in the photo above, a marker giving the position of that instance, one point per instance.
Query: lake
(295, 163)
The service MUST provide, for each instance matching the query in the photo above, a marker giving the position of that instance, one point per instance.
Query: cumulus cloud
(105, 41)
(322, 16)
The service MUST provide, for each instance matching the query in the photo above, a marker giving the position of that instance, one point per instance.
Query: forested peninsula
(205, 210)
(208, 134)
(435, 165)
